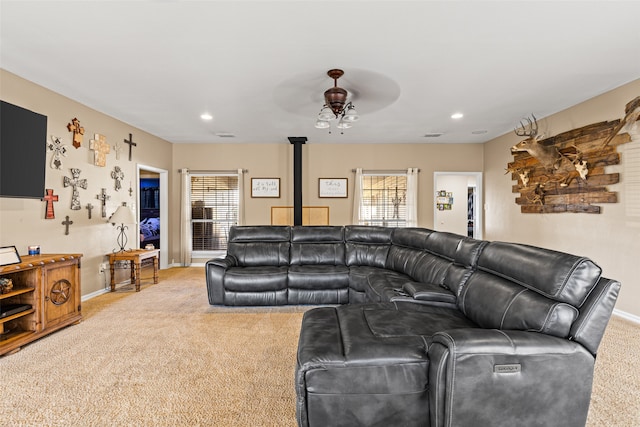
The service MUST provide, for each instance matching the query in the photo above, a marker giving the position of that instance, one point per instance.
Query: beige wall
(321, 161)
(454, 220)
(22, 221)
(611, 239)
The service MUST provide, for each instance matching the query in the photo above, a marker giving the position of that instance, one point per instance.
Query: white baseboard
(628, 316)
(94, 294)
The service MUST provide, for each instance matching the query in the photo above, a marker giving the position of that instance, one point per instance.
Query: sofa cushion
(255, 279)
(318, 277)
(259, 245)
(317, 296)
(443, 244)
(495, 302)
(317, 245)
(464, 262)
(367, 245)
(404, 260)
(407, 249)
(430, 268)
(557, 275)
(275, 297)
(406, 319)
(411, 237)
(359, 276)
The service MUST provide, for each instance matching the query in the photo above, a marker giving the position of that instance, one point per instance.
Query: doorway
(153, 207)
(458, 201)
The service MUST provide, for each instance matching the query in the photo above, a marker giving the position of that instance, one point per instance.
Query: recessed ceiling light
(206, 116)
(225, 135)
(457, 115)
(479, 132)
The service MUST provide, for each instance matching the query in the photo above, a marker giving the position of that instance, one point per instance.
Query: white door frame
(477, 208)
(164, 210)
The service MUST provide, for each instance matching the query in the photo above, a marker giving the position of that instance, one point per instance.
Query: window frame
(215, 222)
(401, 222)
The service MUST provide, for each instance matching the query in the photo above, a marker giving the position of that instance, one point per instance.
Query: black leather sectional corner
(425, 328)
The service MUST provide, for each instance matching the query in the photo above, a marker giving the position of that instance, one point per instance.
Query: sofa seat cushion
(255, 279)
(406, 319)
(359, 276)
(319, 276)
(382, 286)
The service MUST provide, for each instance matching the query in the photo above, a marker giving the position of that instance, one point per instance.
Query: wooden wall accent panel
(541, 191)
(311, 215)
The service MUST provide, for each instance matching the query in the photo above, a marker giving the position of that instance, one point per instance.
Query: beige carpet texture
(164, 357)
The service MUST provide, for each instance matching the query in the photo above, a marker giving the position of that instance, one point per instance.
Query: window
(214, 209)
(383, 200)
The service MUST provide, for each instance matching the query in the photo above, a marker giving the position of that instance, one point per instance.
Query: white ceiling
(259, 67)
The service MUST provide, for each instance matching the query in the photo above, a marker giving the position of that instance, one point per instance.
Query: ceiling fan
(304, 93)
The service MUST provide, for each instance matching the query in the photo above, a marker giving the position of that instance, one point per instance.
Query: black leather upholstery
(430, 328)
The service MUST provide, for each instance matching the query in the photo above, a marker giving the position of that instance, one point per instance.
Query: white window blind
(384, 199)
(214, 209)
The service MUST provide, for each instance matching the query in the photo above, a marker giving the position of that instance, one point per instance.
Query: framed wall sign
(332, 187)
(9, 255)
(265, 187)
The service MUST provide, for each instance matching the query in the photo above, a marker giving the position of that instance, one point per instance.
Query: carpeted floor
(164, 357)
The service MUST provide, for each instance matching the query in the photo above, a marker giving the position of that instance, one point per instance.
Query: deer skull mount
(563, 167)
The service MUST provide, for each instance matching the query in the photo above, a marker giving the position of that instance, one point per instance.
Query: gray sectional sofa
(425, 328)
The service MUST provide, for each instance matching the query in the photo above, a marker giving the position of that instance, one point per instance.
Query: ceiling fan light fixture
(326, 114)
(336, 98)
(344, 125)
(337, 105)
(322, 124)
(351, 115)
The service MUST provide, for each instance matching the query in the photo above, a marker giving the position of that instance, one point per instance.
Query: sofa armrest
(215, 270)
(506, 378)
(429, 292)
(225, 263)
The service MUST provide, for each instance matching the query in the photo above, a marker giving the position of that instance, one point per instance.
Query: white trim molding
(628, 316)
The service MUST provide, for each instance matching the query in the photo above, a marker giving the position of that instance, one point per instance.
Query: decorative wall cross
(49, 198)
(101, 149)
(77, 130)
(59, 149)
(117, 148)
(66, 224)
(89, 209)
(75, 182)
(118, 175)
(103, 200)
(131, 144)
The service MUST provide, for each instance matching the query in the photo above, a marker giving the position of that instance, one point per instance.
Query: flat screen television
(23, 152)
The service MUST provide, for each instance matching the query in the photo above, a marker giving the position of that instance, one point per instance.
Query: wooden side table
(135, 257)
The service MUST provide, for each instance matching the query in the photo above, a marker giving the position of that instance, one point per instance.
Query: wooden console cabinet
(50, 284)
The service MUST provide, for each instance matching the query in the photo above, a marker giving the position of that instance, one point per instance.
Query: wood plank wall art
(566, 172)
